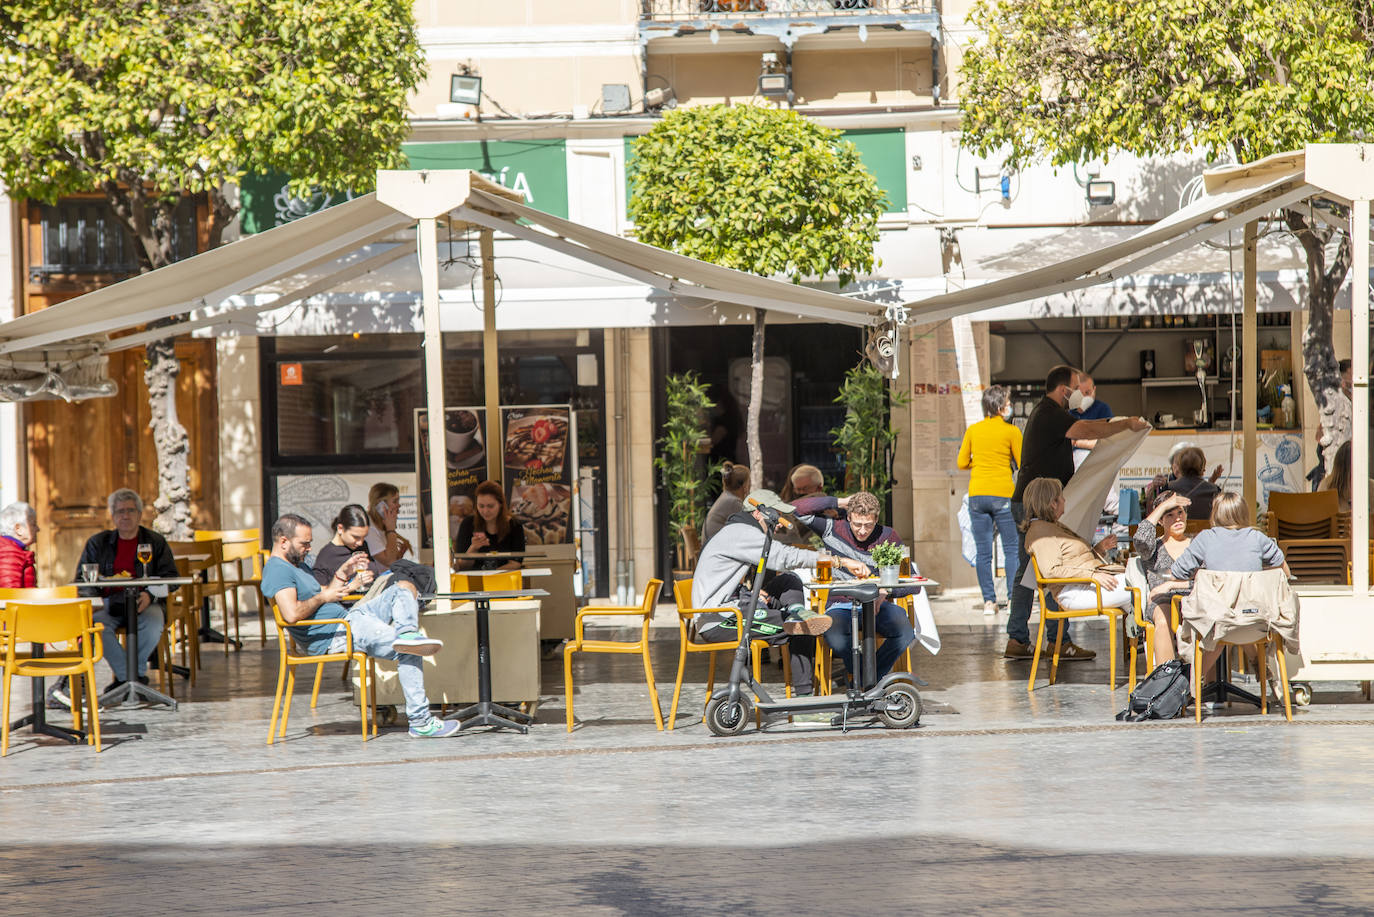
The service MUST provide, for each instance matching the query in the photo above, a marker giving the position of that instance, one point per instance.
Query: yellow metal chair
(579, 644)
(682, 594)
(32, 594)
(505, 581)
(236, 547)
(1111, 613)
(291, 656)
(53, 621)
(183, 606)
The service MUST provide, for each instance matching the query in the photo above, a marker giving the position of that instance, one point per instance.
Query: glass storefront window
(348, 407)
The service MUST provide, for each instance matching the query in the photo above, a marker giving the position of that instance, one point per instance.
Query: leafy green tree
(156, 102)
(1071, 80)
(756, 189)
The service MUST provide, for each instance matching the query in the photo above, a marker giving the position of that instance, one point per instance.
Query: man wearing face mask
(1047, 452)
(1089, 407)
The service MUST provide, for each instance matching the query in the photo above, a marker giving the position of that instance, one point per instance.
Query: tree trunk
(173, 502)
(153, 225)
(756, 403)
(1318, 353)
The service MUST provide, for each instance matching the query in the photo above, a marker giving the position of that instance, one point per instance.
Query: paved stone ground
(1000, 802)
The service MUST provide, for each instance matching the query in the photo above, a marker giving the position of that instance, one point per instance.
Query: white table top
(904, 581)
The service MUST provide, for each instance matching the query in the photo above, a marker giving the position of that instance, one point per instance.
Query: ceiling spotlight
(465, 89)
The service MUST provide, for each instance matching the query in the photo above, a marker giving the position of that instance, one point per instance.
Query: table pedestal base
(134, 691)
(486, 713)
(75, 736)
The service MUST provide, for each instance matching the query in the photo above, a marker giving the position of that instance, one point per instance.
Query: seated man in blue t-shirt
(385, 626)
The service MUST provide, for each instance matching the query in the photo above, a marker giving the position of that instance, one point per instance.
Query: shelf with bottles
(1115, 324)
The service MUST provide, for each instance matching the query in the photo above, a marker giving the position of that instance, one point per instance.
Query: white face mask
(1006, 413)
(1085, 402)
(1075, 400)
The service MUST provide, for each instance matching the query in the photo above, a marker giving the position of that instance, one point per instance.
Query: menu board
(466, 456)
(540, 444)
(539, 454)
(947, 367)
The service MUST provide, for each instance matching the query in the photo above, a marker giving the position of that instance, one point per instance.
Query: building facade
(320, 399)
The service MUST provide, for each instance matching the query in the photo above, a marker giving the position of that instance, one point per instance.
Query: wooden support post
(1359, 353)
(434, 401)
(1249, 369)
(491, 376)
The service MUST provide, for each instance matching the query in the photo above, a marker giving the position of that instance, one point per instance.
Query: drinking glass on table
(905, 570)
(145, 554)
(90, 573)
(824, 565)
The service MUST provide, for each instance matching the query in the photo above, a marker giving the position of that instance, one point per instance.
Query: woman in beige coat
(1061, 554)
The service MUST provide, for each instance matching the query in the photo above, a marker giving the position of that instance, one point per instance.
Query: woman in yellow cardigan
(992, 449)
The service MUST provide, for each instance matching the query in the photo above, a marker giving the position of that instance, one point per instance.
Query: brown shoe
(808, 623)
(1018, 650)
(1071, 652)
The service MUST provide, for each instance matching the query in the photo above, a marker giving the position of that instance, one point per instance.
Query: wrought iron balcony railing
(744, 10)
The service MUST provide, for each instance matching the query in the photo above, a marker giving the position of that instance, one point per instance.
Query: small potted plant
(887, 557)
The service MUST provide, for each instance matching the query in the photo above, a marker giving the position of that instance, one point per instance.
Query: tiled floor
(1000, 802)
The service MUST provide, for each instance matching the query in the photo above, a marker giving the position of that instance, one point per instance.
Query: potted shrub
(866, 437)
(887, 557)
(682, 465)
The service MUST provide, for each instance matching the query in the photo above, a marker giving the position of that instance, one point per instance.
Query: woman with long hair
(1340, 478)
(490, 529)
(991, 450)
(348, 546)
(1160, 540)
(734, 481)
(383, 508)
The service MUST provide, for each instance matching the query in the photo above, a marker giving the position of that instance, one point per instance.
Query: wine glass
(145, 554)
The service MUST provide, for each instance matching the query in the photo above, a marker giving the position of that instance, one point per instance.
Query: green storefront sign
(538, 169)
(882, 150)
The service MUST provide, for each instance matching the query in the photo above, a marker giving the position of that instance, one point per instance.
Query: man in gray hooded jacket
(719, 580)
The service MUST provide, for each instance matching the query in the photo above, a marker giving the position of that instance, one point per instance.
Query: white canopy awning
(1234, 197)
(308, 257)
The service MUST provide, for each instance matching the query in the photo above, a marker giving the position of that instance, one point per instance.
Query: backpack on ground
(1161, 696)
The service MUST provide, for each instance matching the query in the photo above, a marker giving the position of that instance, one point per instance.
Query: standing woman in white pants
(1062, 554)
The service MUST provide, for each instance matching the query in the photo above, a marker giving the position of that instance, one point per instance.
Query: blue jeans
(1018, 617)
(150, 622)
(890, 622)
(375, 624)
(991, 516)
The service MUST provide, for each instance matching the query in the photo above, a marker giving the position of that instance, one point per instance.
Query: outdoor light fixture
(774, 83)
(465, 89)
(1101, 192)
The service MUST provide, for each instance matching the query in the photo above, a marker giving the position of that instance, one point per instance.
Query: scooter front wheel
(902, 707)
(725, 717)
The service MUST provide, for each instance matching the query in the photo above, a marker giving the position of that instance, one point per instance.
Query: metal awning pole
(1359, 353)
(1249, 369)
(491, 375)
(434, 402)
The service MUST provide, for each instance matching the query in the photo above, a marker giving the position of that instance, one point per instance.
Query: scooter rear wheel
(903, 707)
(725, 717)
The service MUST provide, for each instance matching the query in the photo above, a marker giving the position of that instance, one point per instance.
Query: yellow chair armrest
(592, 611)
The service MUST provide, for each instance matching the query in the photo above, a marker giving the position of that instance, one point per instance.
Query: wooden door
(79, 453)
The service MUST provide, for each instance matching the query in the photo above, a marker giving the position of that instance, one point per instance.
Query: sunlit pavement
(999, 802)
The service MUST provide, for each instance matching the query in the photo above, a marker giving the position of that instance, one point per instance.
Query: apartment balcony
(785, 19)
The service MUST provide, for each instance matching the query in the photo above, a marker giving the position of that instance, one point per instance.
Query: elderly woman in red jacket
(18, 531)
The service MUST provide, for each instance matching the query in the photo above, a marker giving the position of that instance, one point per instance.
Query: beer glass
(145, 554)
(824, 565)
(905, 569)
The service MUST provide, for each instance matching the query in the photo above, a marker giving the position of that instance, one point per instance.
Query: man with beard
(385, 626)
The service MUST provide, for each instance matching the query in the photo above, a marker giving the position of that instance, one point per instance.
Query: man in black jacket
(115, 551)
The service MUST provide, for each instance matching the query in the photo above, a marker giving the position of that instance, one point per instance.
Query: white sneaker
(416, 643)
(989, 608)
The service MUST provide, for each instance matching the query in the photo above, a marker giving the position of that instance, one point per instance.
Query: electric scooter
(894, 700)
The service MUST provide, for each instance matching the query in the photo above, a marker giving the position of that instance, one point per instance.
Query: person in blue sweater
(849, 528)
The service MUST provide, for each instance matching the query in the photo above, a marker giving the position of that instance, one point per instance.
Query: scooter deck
(802, 704)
